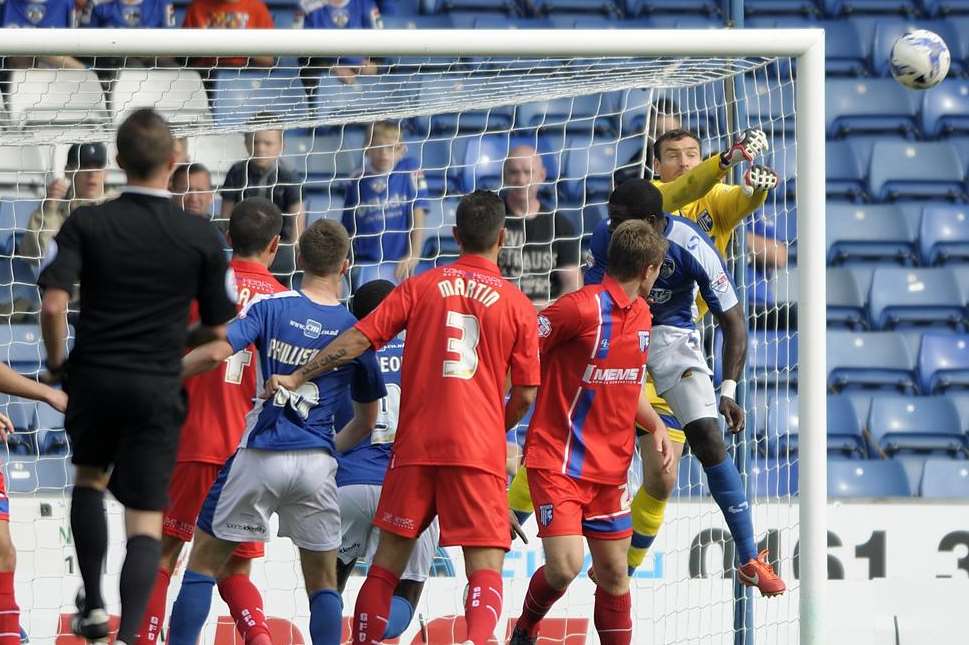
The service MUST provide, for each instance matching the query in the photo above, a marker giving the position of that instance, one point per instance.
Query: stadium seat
(326, 154)
(960, 399)
(943, 362)
(508, 7)
(846, 54)
(240, 94)
(903, 297)
(54, 474)
(21, 474)
(639, 7)
(845, 428)
(782, 7)
(218, 152)
(872, 478)
(945, 478)
(52, 97)
(772, 358)
(944, 235)
(439, 249)
(945, 110)
(889, 30)
(480, 163)
(845, 176)
(858, 233)
(845, 7)
(570, 115)
(946, 7)
(869, 106)
(879, 360)
(23, 169)
(780, 436)
(53, 442)
(774, 477)
(593, 7)
(587, 174)
(48, 418)
(846, 299)
(769, 104)
(177, 94)
(915, 425)
(930, 170)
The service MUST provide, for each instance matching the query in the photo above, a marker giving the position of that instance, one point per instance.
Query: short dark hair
(253, 224)
(145, 143)
(368, 296)
(634, 246)
(186, 170)
(673, 135)
(323, 247)
(480, 217)
(636, 199)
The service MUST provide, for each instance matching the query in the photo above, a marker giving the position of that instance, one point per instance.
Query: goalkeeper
(690, 188)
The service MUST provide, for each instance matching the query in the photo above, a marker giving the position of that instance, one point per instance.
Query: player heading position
(218, 403)
(594, 344)
(361, 476)
(449, 455)
(285, 463)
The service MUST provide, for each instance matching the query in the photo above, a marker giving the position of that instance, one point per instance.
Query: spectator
(181, 151)
(58, 14)
(229, 14)
(84, 184)
(384, 209)
(541, 252)
(191, 188)
(664, 115)
(263, 174)
(338, 14)
(128, 14)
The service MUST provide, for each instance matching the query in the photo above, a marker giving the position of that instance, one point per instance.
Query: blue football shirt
(128, 14)
(37, 13)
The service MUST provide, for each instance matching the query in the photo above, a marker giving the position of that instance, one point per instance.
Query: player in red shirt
(467, 330)
(580, 440)
(218, 403)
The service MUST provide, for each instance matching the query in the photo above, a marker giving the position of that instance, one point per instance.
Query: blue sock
(326, 618)
(728, 490)
(191, 608)
(401, 613)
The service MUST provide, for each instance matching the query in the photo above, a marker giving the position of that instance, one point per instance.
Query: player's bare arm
(341, 351)
(519, 401)
(53, 326)
(17, 385)
(205, 358)
(363, 421)
(734, 329)
(649, 420)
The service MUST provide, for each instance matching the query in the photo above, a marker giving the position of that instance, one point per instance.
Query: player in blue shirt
(285, 463)
(384, 210)
(58, 14)
(128, 14)
(361, 476)
(676, 362)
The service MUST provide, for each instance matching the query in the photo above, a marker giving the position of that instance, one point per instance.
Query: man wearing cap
(83, 184)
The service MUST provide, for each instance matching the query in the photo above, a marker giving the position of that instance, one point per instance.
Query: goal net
(455, 124)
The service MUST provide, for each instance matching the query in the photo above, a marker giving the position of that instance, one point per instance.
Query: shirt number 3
(465, 346)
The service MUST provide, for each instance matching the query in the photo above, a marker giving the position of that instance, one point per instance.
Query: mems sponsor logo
(612, 375)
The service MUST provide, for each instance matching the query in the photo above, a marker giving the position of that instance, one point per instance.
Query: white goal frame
(804, 45)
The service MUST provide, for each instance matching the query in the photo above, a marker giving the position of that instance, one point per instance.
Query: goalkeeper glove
(759, 178)
(747, 147)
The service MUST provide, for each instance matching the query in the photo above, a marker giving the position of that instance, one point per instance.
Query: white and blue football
(920, 59)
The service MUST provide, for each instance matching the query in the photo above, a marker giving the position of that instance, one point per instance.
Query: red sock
(245, 605)
(613, 618)
(483, 605)
(373, 606)
(9, 611)
(151, 625)
(538, 600)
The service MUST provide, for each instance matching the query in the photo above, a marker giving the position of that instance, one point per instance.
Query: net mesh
(589, 121)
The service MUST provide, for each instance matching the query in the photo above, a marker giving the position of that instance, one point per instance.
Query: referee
(140, 262)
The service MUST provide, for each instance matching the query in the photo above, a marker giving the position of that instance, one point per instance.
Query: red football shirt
(594, 343)
(226, 14)
(219, 400)
(467, 327)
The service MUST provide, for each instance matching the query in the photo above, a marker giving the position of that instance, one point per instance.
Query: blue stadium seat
(946, 7)
(903, 297)
(21, 474)
(434, 157)
(449, 124)
(889, 30)
(845, 176)
(53, 442)
(510, 7)
(845, 7)
(439, 249)
(845, 428)
(945, 478)
(639, 7)
(945, 110)
(960, 399)
(879, 360)
(774, 477)
(283, 18)
(589, 113)
(325, 154)
(915, 425)
(929, 170)
(865, 233)
(593, 7)
(944, 235)
(587, 174)
(780, 7)
(772, 358)
(872, 478)
(846, 54)
(240, 94)
(482, 163)
(873, 106)
(769, 104)
(846, 299)
(48, 418)
(781, 432)
(943, 362)
(54, 474)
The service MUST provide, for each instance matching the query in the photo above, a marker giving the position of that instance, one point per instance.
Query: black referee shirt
(140, 261)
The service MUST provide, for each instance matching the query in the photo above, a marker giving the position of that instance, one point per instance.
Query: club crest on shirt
(131, 16)
(669, 266)
(544, 326)
(705, 221)
(339, 16)
(378, 185)
(545, 514)
(643, 341)
(36, 12)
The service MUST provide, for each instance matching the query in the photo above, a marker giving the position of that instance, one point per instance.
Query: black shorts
(129, 423)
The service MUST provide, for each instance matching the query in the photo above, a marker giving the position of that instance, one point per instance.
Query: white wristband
(728, 388)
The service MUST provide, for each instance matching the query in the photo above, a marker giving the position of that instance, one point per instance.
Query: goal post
(514, 72)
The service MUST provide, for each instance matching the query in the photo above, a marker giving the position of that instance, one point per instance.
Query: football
(920, 59)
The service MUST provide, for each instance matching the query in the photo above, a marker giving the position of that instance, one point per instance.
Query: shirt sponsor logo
(720, 284)
(400, 522)
(545, 514)
(612, 375)
(669, 266)
(544, 326)
(246, 528)
(312, 329)
(660, 296)
(643, 341)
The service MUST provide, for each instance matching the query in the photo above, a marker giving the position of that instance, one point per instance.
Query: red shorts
(471, 505)
(191, 481)
(568, 506)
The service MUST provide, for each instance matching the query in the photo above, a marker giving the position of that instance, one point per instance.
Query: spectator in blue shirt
(45, 14)
(384, 209)
(340, 14)
(128, 14)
